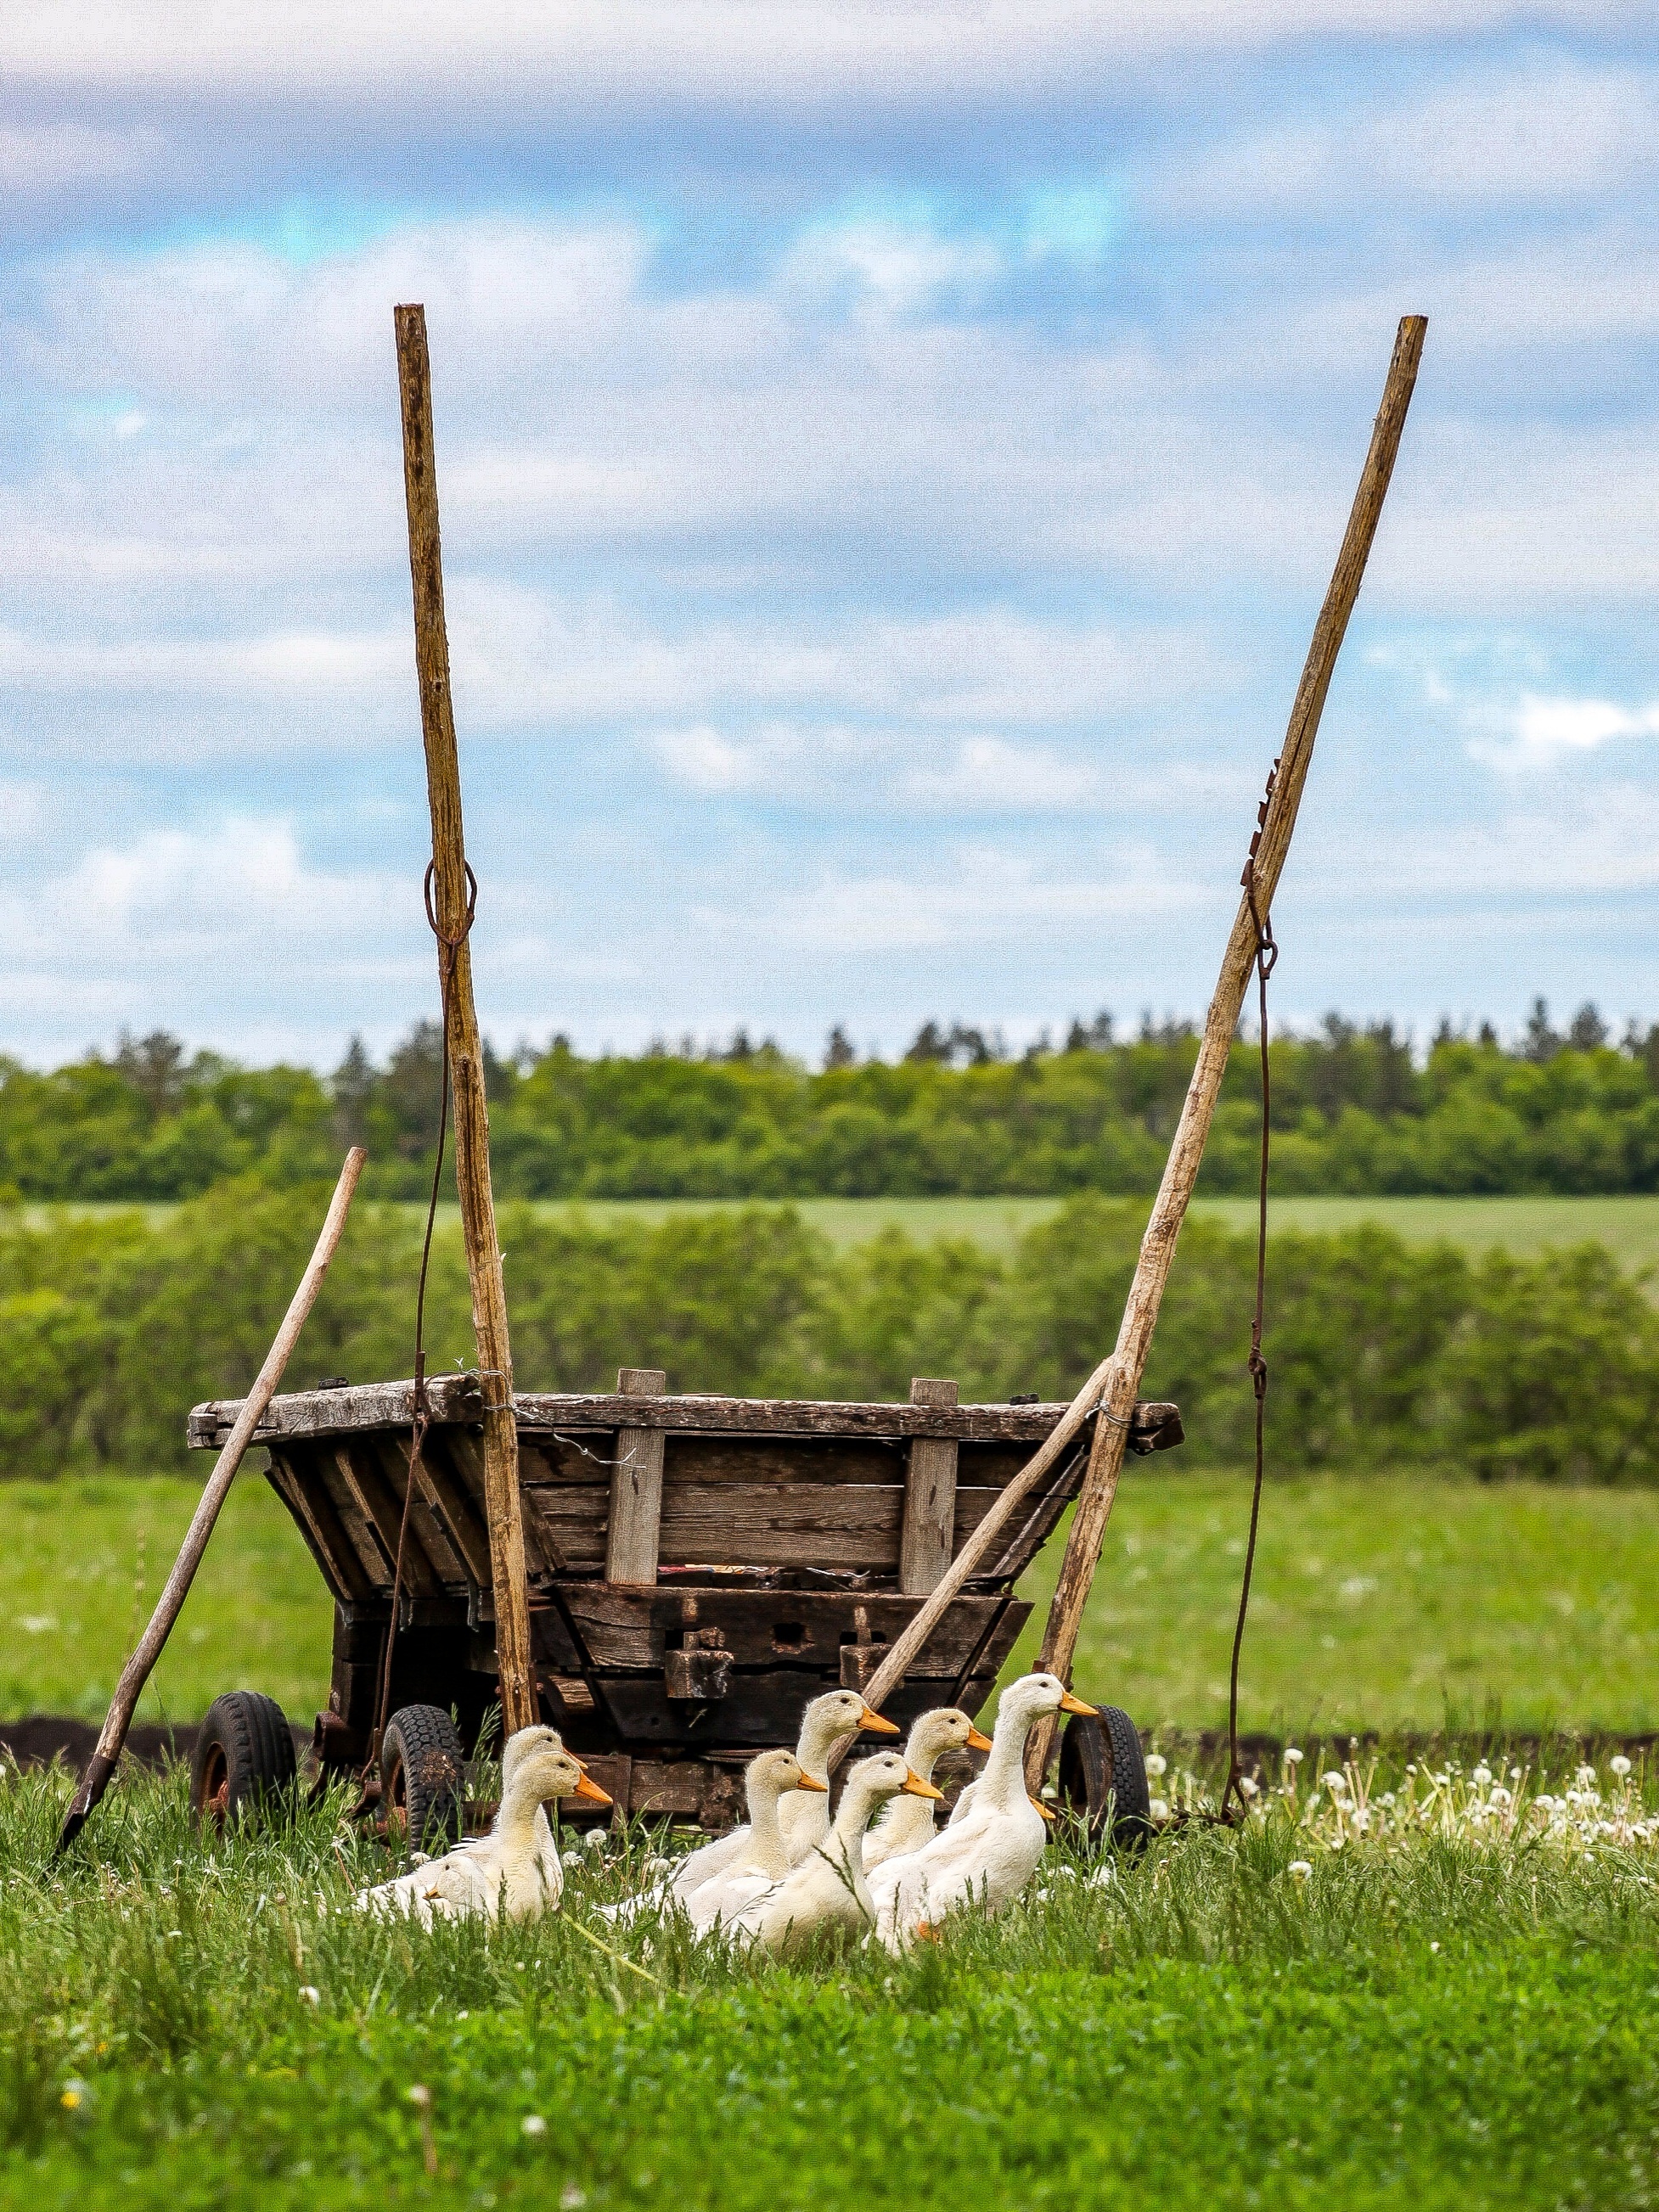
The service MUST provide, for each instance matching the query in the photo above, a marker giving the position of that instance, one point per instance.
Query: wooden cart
(699, 1567)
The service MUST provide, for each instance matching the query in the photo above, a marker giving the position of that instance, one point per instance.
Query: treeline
(1354, 1110)
(1382, 1355)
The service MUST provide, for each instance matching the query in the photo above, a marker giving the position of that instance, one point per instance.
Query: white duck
(804, 1821)
(827, 1888)
(767, 1780)
(988, 1857)
(515, 1868)
(907, 1821)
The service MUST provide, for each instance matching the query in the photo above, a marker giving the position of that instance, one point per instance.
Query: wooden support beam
(136, 1672)
(1116, 1378)
(928, 1534)
(1157, 1246)
(635, 1527)
(453, 910)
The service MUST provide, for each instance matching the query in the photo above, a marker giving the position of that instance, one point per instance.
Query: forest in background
(1382, 1355)
(1356, 1110)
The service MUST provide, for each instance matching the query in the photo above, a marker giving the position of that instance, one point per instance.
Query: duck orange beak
(914, 1786)
(976, 1741)
(1068, 1704)
(810, 1782)
(1047, 1811)
(589, 1789)
(876, 1723)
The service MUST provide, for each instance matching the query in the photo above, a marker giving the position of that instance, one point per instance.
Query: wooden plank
(631, 1541)
(764, 1629)
(456, 1399)
(783, 1459)
(319, 1524)
(782, 1524)
(335, 1412)
(322, 1472)
(361, 1474)
(447, 1562)
(463, 1515)
(571, 1522)
(930, 1496)
(808, 1416)
(542, 1555)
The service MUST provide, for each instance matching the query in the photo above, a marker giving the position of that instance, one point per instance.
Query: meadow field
(1293, 2015)
(1402, 1602)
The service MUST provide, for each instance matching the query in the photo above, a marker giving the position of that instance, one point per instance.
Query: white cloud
(984, 896)
(1550, 128)
(1542, 731)
(987, 774)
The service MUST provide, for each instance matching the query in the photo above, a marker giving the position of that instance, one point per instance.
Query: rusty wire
(1265, 957)
(449, 946)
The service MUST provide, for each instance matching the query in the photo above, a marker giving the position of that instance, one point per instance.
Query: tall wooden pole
(1119, 1374)
(483, 1258)
(1158, 1246)
(114, 1735)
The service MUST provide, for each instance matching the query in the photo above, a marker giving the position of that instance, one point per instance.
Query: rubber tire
(1103, 1777)
(423, 1777)
(243, 1766)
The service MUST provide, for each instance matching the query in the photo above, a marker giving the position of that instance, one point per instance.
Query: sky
(890, 459)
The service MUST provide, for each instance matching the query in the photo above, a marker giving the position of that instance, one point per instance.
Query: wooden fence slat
(930, 1496)
(631, 1543)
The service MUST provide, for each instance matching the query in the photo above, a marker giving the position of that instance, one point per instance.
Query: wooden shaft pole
(483, 1258)
(136, 1672)
(1158, 1246)
(1109, 1376)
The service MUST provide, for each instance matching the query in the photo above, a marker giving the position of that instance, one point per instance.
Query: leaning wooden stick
(1118, 1375)
(1134, 1336)
(136, 1672)
(452, 914)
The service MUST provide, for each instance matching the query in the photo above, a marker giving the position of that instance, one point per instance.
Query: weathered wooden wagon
(699, 1569)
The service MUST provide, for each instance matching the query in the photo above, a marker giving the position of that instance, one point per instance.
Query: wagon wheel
(1103, 1777)
(243, 1762)
(421, 1778)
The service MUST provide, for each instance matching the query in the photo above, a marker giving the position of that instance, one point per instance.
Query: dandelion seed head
(1334, 1782)
(1481, 1777)
(420, 2096)
(533, 2124)
(1158, 1810)
(1292, 1756)
(1619, 1765)
(310, 1996)
(1299, 1869)
(1156, 1763)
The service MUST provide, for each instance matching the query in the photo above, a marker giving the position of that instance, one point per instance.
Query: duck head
(543, 1772)
(1033, 1695)
(946, 1728)
(839, 1713)
(780, 1771)
(874, 1780)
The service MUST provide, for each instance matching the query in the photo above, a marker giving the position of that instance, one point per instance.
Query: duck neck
(844, 1846)
(1003, 1781)
(817, 1740)
(515, 1823)
(765, 1833)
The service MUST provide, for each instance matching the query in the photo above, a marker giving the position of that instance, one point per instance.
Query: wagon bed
(699, 1567)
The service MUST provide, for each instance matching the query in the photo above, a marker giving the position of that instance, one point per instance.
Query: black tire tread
(1102, 1772)
(252, 1731)
(424, 1738)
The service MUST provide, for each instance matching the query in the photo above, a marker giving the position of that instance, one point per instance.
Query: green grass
(1380, 1602)
(1397, 1601)
(1441, 2025)
(1628, 1226)
(81, 1564)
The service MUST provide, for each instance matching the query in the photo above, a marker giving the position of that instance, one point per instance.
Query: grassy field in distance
(1628, 1226)
(1395, 1602)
